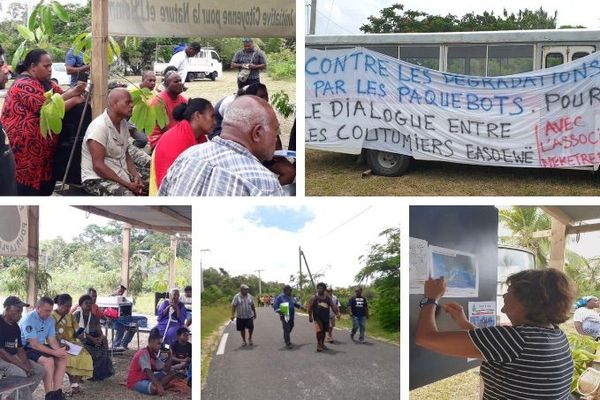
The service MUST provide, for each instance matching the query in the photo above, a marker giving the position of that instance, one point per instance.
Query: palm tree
(524, 222)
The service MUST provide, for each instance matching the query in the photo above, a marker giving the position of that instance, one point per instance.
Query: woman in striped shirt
(530, 359)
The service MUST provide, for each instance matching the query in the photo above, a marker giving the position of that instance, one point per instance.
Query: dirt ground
(113, 388)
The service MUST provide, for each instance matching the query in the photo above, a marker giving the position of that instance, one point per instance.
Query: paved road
(269, 371)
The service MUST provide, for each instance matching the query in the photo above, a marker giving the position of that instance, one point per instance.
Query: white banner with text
(206, 18)
(357, 98)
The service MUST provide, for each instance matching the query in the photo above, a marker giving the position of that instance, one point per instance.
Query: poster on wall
(14, 230)
(482, 314)
(418, 264)
(460, 270)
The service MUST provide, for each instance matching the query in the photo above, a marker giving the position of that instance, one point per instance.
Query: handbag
(589, 383)
(244, 73)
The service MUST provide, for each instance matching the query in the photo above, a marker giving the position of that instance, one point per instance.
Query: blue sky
(284, 218)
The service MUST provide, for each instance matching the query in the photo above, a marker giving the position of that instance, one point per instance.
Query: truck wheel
(212, 76)
(387, 164)
(189, 76)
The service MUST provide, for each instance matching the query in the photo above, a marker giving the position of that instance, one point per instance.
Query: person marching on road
(242, 308)
(359, 311)
(284, 305)
(318, 311)
(332, 315)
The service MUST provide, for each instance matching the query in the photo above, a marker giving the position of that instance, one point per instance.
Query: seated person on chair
(586, 318)
(13, 359)
(171, 317)
(149, 374)
(38, 337)
(107, 168)
(90, 334)
(124, 334)
(80, 366)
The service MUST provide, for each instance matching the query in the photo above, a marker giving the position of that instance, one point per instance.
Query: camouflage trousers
(141, 159)
(102, 187)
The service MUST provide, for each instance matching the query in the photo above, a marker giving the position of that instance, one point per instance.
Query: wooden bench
(14, 383)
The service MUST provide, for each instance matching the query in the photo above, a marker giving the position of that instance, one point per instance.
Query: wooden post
(99, 56)
(125, 260)
(33, 215)
(558, 242)
(172, 263)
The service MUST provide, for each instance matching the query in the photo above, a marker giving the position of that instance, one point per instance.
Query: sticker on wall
(14, 230)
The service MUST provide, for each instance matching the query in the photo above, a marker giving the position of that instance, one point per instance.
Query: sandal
(75, 388)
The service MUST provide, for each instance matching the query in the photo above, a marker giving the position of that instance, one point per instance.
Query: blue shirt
(33, 327)
(74, 61)
(282, 298)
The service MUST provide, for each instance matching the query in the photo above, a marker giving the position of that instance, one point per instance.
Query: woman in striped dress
(530, 359)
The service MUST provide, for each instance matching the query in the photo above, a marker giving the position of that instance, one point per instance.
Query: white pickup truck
(205, 65)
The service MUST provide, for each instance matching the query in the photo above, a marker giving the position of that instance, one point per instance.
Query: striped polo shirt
(524, 362)
(243, 306)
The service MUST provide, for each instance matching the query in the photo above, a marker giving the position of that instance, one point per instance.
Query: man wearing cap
(286, 313)
(41, 346)
(243, 310)
(13, 359)
(249, 61)
(180, 60)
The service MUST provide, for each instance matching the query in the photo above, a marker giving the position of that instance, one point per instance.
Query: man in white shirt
(180, 60)
(107, 168)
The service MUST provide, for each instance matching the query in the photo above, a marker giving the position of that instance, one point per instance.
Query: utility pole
(259, 287)
(313, 17)
(201, 270)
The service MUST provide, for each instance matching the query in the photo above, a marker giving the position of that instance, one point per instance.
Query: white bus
(493, 53)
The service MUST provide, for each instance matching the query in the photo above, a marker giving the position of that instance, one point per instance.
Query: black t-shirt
(181, 350)
(358, 306)
(10, 337)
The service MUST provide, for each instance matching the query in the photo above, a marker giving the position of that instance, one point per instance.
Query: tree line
(93, 259)
(379, 278)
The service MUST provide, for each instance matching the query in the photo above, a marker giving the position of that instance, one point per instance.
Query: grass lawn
(373, 329)
(333, 174)
(212, 317)
(144, 304)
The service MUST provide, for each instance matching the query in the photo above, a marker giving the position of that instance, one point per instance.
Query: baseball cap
(247, 40)
(244, 286)
(14, 301)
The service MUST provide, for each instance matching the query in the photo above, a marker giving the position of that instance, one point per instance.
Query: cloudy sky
(339, 17)
(332, 232)
(53, 217)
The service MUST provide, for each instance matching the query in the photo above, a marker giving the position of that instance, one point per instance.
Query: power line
(346, 222)
(330, 20)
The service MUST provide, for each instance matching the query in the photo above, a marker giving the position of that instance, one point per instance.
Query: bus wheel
(387, 164)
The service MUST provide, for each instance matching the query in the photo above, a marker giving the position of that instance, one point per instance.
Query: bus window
(391, 51)
(467, 60)
(579, 54)
(425, 56)
(554, 59)
(509, 59)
